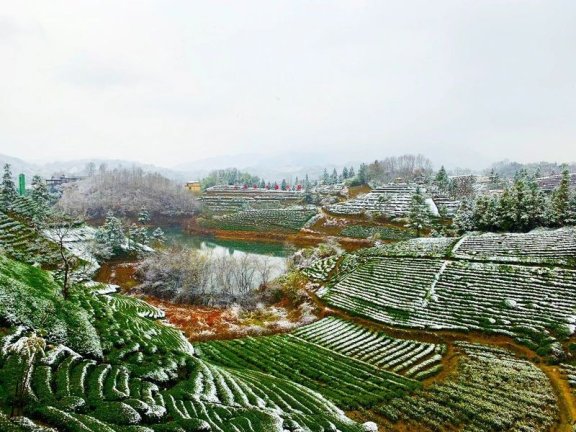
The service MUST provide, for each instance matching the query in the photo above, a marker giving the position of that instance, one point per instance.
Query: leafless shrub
(199, 277)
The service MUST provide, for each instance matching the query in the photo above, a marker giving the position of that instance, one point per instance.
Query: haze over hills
(78, 167)
(270, 167)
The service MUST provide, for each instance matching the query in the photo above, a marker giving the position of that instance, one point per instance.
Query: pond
(122, 272)
(274, 253)
(177, 236)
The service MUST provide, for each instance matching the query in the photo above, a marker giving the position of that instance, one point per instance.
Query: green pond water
(273, 253)
(177, 236)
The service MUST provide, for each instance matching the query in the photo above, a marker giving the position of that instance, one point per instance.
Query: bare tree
(245, 273)
(463, 186)
(408, 167)
(59, 227)
(224, 271)
(127, 191)
(192, 276)
(265, 268)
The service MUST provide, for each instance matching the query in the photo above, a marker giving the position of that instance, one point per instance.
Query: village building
(194, 186)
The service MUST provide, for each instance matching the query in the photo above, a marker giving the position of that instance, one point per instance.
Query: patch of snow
(370, 427)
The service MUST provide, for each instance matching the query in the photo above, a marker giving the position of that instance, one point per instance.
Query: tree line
(521, 207)
(126, 191)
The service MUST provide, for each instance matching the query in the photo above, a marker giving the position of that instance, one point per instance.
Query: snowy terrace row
(557, 246)
(392, 200)
(437, 294)
(538, 247)
(413, 359)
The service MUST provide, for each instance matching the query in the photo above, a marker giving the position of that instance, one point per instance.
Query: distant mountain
(273, 168)
(78, 167)
(277, 167)
(19, 166)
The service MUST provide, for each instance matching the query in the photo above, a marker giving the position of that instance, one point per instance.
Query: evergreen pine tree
(536, 205)
(40, 197)
(520, 200)
(442, 181)
(325, 177)
(142, 236)
(420, 216)
(363, 174)
(506, 212)
(494, 180)
(143, 216)
(351, 173)
(491, 218)
(560, 202)
(308, 199)
(480, 210)
(8, 191)
(334, 177)
(133, 233)
(40, 194)
(345, 173)
(158, 236)
(284, 184)
(111, 234)
(464, 218)
(572, 211)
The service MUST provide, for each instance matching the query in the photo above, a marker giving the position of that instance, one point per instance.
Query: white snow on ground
(77, 242)
(432, 206)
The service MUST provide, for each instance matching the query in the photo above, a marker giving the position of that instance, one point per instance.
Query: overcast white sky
(463, 81)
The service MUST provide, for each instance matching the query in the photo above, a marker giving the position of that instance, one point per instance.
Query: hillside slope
(519, 285)
(111, 364)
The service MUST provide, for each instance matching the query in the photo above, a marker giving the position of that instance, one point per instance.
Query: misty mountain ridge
(78, 167)
(287, 166)
(272, 168)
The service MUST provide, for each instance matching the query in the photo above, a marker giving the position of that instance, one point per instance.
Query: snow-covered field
(441, 284)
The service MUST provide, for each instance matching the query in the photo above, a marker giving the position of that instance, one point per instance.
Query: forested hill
(127, 191)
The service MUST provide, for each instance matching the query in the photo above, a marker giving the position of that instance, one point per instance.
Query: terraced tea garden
(379, 232)
(360, 369)
(20, 241)
(491, 390)
(413, 359)
(275, 220)
(540, 246)
(116, 367)
(348, 364)
(392, 200)
(441, 284)
(110, 362)
(230, 199)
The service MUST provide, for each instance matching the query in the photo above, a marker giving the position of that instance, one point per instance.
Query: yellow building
(193, 186)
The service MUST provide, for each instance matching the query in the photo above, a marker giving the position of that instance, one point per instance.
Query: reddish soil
(354, 191)
(120, 273)
(200, 323)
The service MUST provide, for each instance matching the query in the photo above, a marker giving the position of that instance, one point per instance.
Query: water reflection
(273, 253)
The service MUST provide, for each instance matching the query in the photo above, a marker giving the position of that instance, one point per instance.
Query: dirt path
(565, 396)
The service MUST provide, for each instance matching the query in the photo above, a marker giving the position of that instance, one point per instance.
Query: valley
(317, 322)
